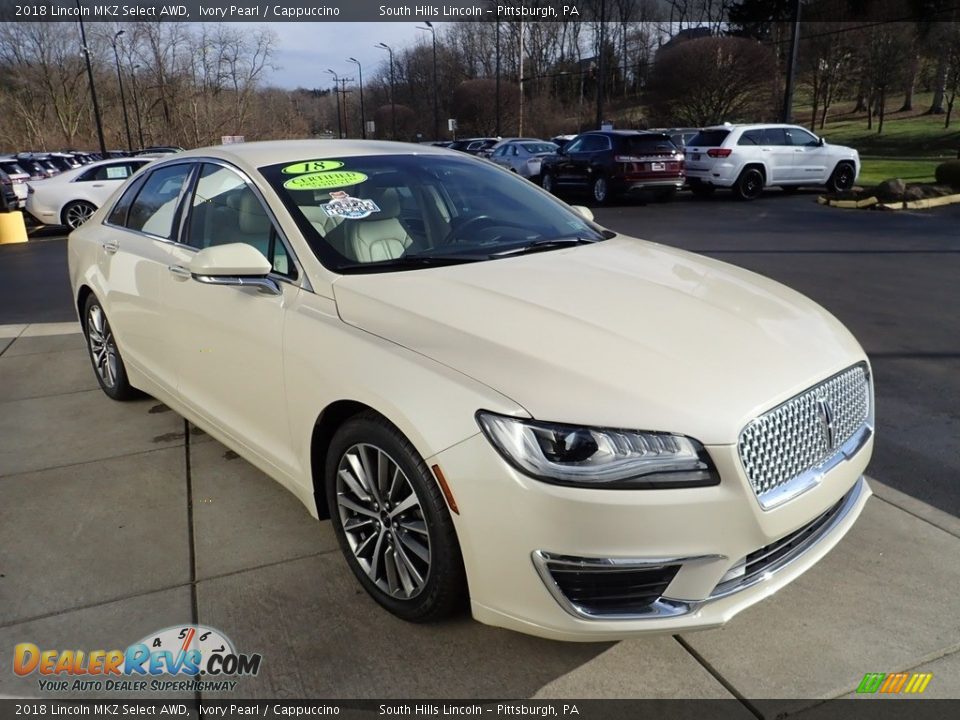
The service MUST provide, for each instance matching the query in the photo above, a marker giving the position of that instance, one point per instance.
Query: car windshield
(534, 148)
(391, 212)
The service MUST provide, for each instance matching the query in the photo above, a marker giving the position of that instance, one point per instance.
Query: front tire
(842, 178)
(391, 521)
(77, 213)
(104, 356)
(749, 185)
(548, 183)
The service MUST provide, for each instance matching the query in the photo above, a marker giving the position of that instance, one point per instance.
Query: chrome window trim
(301, 280)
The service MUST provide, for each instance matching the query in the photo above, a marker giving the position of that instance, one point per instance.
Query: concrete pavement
(117, 520)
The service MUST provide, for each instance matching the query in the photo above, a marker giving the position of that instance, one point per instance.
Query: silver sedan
(523, 156)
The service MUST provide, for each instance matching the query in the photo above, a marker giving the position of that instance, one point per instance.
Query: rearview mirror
(236, 264)
(584, 211)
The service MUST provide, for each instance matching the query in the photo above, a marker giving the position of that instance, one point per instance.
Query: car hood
(623, 333)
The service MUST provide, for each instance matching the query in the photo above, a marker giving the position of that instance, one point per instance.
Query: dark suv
(608, 163)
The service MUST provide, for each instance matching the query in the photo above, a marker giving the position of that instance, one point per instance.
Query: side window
(774, 136)
(87, 176)
(801, 138)
(750, 137)
(155, 207)
(574, 145)
(118, 216)
(500, 151)
(226, 210)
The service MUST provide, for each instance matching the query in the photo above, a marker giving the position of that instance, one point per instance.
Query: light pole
(600, 65)
(497, 103)
(363, 117)
(123, 98)
(436, 105)
(393, 99)
(93, 88)
(336, 91)
(136, 103)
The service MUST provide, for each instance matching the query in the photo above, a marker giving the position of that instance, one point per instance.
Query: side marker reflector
(446, 489)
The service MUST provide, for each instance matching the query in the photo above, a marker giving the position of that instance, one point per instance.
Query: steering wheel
(454, 235)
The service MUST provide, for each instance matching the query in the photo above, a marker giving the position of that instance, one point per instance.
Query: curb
(924, 204)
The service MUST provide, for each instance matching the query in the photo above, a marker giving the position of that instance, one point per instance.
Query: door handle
(97, 185)
(110, 247)
(179, 272)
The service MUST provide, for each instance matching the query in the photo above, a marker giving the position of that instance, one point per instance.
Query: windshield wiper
(416, 260)
(545, 244)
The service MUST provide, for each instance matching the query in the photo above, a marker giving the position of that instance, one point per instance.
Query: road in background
(891, 277)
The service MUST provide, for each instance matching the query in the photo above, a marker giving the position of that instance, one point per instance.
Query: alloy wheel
(600, 189)
(78, 213)
(383, 521)
(103, 348)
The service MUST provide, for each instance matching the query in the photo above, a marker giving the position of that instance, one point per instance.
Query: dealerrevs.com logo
(187, 658)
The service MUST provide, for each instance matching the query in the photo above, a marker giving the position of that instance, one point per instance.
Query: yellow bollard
(12, 228)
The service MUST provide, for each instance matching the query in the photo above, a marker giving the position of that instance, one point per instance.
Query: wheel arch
(82, 294)
(64, 206)
(757, 165)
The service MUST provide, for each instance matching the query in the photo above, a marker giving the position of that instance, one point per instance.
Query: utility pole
(337, 93)
(792, 65)
(136, 103)
(123, 98)
(343, 90)
(436, 103)
(522, 33)
(363, 117)
(93, 87)
(393, 91)
(497, 130)
(600, 65)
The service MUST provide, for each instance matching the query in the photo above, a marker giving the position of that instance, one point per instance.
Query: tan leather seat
(379, 236)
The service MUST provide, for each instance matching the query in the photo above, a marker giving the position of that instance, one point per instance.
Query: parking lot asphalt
(119, 519)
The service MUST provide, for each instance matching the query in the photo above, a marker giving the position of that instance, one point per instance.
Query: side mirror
(584, 212)
(236, 264)
(821, 142)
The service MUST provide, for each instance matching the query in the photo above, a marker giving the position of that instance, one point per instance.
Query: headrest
(252, 220)
(388, 200)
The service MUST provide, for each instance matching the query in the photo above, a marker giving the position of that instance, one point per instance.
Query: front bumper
(508, 522)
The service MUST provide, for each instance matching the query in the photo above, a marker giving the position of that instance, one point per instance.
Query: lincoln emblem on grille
(826, 420)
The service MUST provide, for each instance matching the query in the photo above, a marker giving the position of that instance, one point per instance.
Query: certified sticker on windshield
(311, 166)
(351, 208)
(325, 180)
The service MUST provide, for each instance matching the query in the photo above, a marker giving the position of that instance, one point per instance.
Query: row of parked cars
(606, 164)
(66, 188)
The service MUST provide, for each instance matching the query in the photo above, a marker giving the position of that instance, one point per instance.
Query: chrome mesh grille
(793, 438)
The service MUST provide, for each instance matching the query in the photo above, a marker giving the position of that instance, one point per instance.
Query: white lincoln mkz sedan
(494, 399)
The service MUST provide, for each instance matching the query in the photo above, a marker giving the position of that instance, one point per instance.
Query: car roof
(253, 155)
(751, 126)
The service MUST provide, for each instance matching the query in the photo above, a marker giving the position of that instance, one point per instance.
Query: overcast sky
(305, 50)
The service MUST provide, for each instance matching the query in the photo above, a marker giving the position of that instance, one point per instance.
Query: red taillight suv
(749, 158)
(614, 162)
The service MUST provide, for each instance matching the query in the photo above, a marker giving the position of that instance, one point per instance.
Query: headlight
(598, 457)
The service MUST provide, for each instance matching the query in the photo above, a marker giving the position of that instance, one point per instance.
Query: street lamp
(436, 106)
(123, 98)
(93, 88)
(136, 103)
(393, 106)
(363, 118)
(336, 91)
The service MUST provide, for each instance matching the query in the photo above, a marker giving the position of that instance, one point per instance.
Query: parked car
(15, 180)
(8, 197)
(489, 394)
(157, 150)
(561, 140)
(749, 158)
(608, 163)
(680, 136)
(63, 161)
(38, 165)
(473, 146)
(523, 156)
(72, 197)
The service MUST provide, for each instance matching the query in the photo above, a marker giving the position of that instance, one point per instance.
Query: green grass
(876, 170)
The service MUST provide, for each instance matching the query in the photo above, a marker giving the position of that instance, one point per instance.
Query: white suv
(749, 158)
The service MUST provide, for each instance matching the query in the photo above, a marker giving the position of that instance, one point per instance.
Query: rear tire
(749, 185)
(104, 356)
(843, 178)
(391, 521)
(77, 213)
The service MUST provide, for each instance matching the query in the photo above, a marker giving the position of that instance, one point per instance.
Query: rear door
(782, 165)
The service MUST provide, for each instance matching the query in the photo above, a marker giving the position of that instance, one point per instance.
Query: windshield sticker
(325, 180)
(311, 166)
(351, 208)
